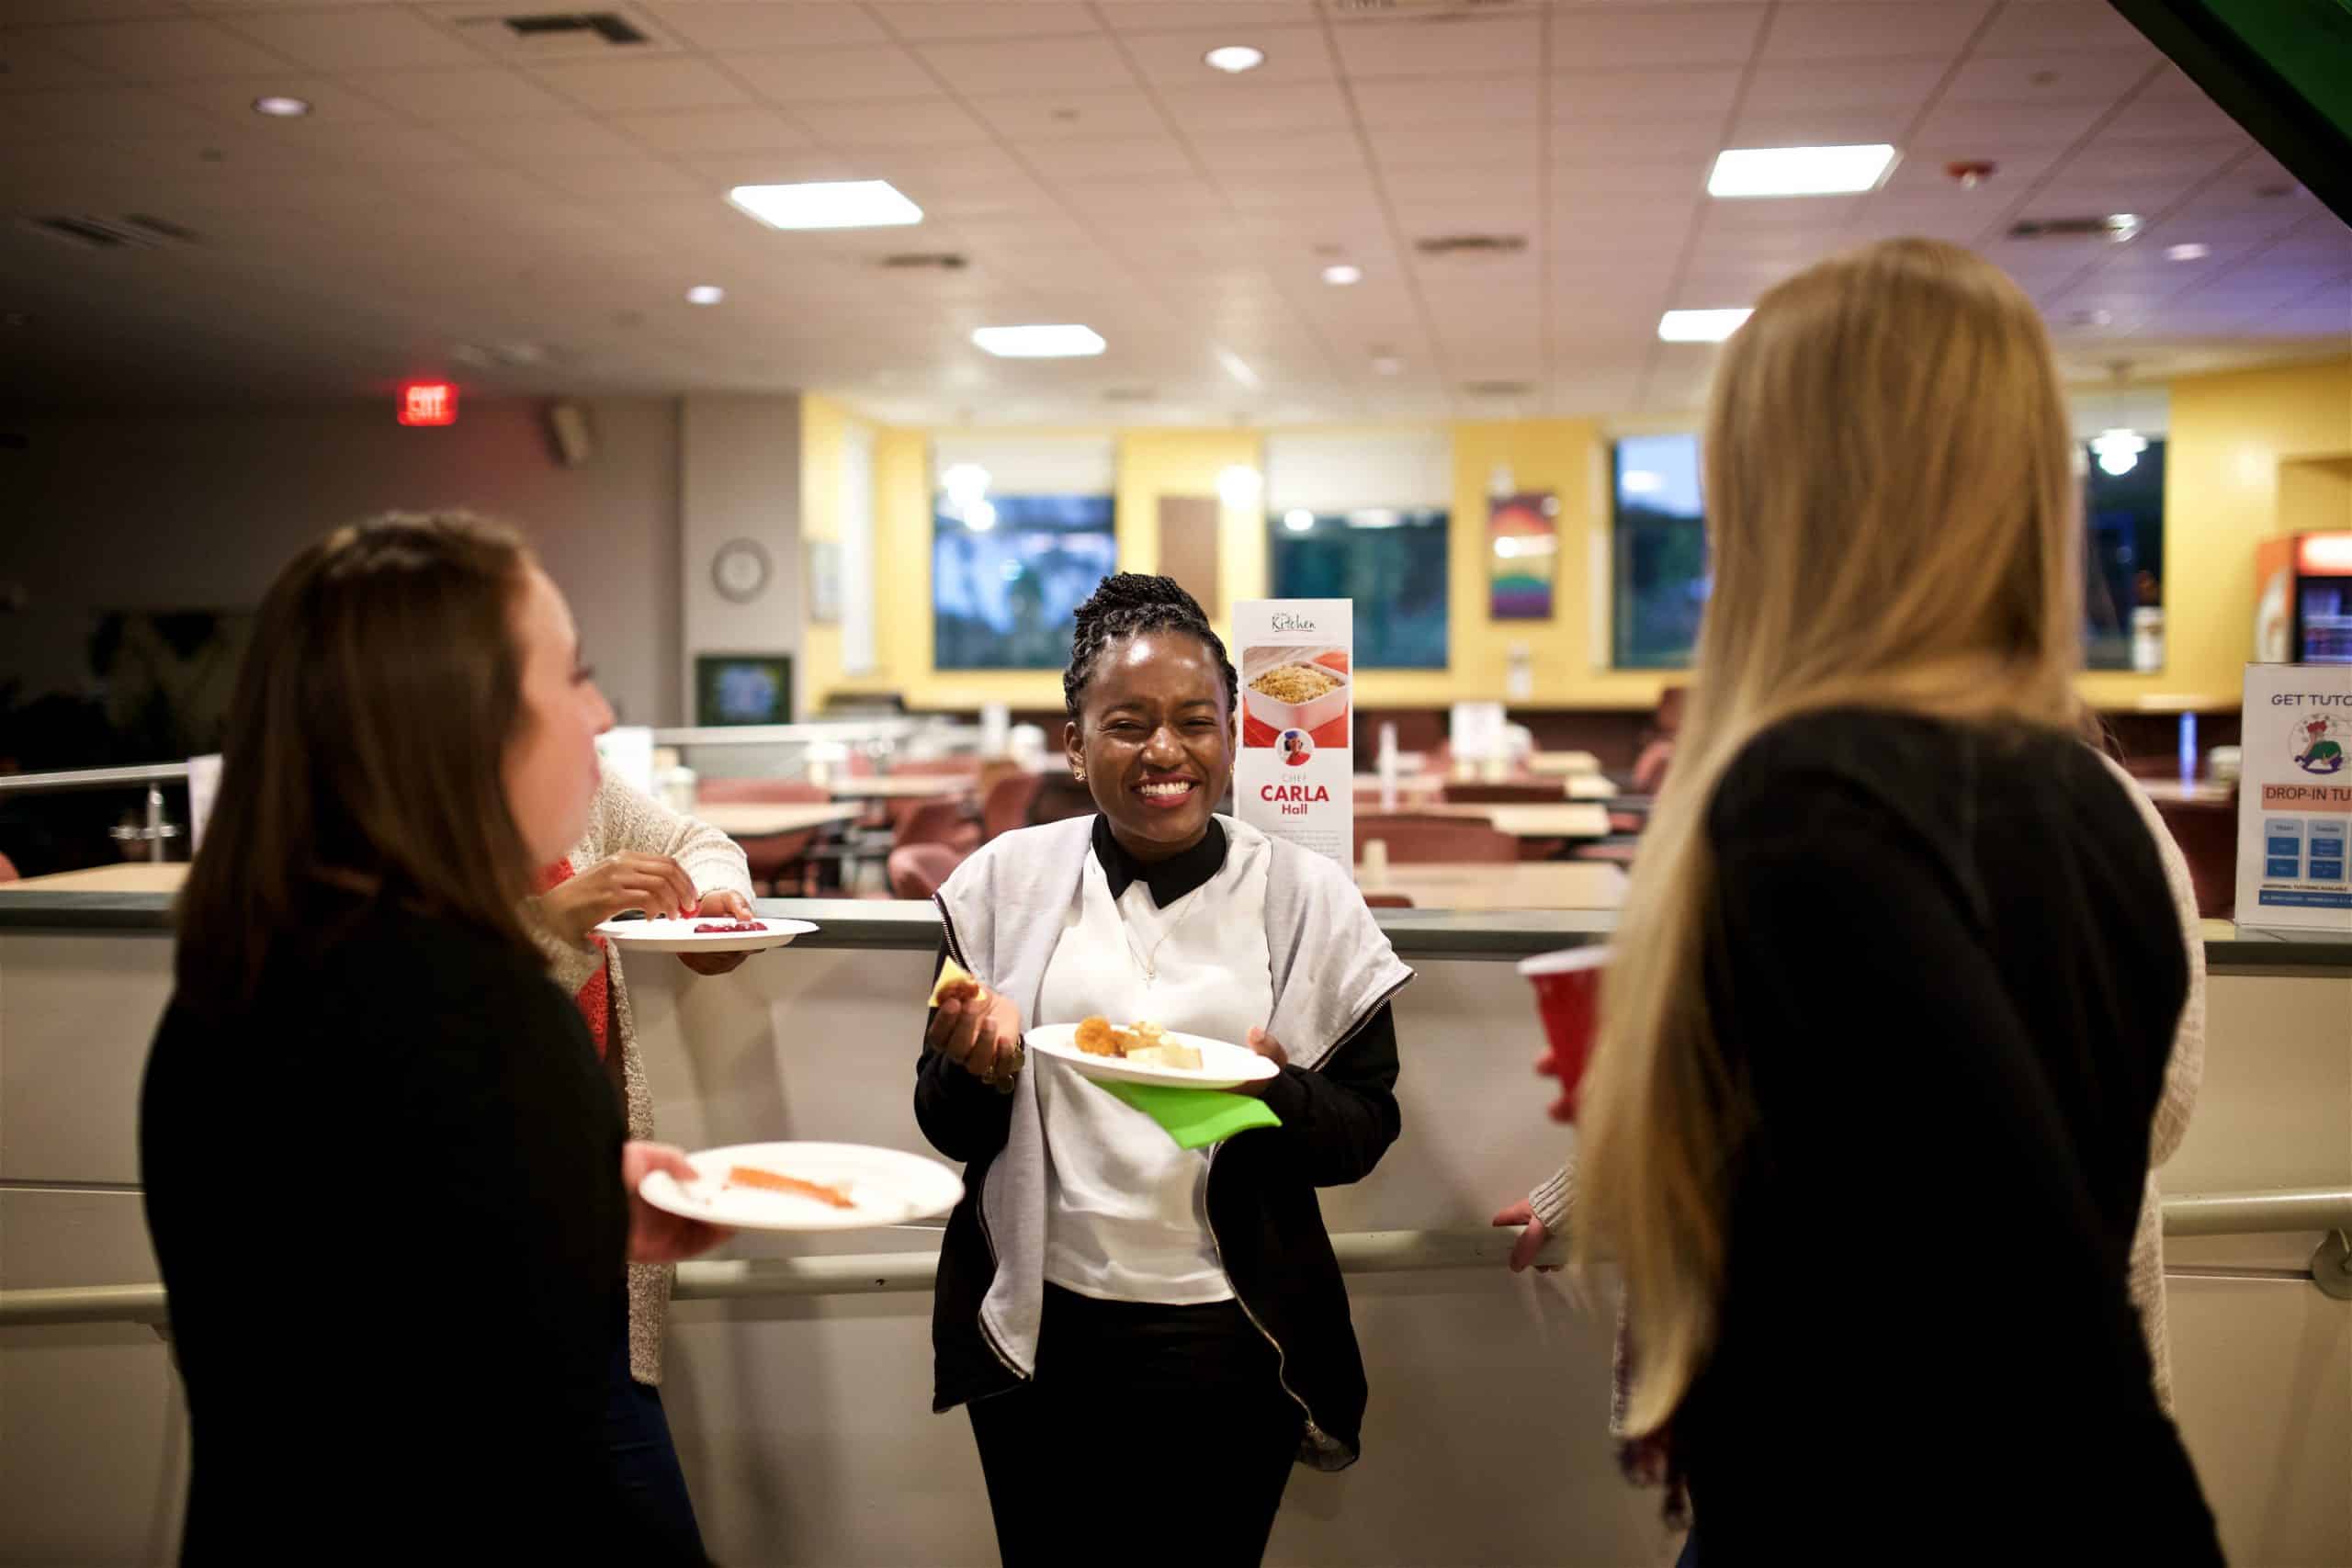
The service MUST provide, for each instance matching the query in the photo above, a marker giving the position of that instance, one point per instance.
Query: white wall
(198, 511)
(739, 478)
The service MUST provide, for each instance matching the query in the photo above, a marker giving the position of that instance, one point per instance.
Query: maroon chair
(1006, 806)
(2207, 832)
(777, 862)
(1420, 841)
(917, 870)
(7, 870)
(947, 822)
(1388, 901)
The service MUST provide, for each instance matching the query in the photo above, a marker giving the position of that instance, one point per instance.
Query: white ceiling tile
(2184, 163)
(1845, 84)
(1667, 35)
(1586, 140)
(331, 102)
(1441, 46)
(441, 96)
(2056, 25)
(1924, 169)
(545, 136)
(1171, 194)
(1243, 20)
(1684, 178)
(1175, 60)
(911, 122)
(382, 144)
(1300, 195)
(1645, 95)
(1991, 130)
(1822, 128)
(1040, 117)
(1029, 65)
(107, 111)
(1231, 108)
(1303, 149)
(162, 49)
(984, 18)
(634, 86)
(712, 131)
(1844, 30)
(1516, 188)
(2094, 78)
(1108, 157)
(834, 75)
(355, 37)
(766, 23)
(1399, 102)
(1486, 145)
(27, 60)
(2171, 121)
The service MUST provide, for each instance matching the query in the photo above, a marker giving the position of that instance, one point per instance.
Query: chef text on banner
(2295, 799)
(1295, 778)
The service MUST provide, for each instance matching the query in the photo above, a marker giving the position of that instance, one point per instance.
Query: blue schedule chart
(2282, 848)
(2326, 837)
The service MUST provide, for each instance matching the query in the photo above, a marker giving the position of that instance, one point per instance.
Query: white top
(1127, 1210)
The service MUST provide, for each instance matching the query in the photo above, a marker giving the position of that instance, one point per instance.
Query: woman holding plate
(1102, 1283)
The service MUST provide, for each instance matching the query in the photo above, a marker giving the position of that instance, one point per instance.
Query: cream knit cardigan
(622, 819)
(1554, 1203)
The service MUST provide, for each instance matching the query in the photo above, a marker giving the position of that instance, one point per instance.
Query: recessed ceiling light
(1238, 368)
(1699, 326)
(1234, 58)
(831, 204)
(2188, 252)
(279, 106)
(1340, 275)
(1387, 364)
(1799, 171)
(704, 294)
(1067, 341)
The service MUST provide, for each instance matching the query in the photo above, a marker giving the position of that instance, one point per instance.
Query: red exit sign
(428, 402)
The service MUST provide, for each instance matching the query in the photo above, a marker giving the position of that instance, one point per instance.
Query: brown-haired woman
(398, 1325)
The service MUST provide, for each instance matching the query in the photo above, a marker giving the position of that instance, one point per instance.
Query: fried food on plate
(1146, 1044)
(771, 1182)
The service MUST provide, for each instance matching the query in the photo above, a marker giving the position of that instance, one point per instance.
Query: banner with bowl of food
(1295, 777)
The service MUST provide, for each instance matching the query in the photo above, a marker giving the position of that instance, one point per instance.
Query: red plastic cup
(1568, 995)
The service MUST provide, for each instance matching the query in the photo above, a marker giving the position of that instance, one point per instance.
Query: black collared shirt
(1168, 879)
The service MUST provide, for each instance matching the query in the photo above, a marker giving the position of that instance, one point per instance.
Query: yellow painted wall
(2228, 435)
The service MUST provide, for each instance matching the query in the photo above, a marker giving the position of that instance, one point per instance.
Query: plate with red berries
(702, 934)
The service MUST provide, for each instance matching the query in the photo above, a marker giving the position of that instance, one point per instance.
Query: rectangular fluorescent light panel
(1238, 368)
(1799, 171)
(1699, 326)
(838, 204)
(1067, 342)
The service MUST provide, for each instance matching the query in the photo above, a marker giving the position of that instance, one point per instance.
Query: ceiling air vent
(1471, 244)
(919, 261)
(133, 232)
(534, 36)
(2113, 227)
(609, 26)
(1497, 389)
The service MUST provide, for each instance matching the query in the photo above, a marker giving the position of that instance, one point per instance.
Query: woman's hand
(978, 1030)
(654, 884)
(721, 903)
(656, 1235)
(1266, 1045)
(1530, 1240)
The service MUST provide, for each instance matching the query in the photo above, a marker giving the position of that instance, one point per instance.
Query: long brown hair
(364, 751)
(1894, 523)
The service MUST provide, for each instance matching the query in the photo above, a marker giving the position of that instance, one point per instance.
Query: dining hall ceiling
(524, 211)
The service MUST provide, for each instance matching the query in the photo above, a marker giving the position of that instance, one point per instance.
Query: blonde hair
(1894, 523)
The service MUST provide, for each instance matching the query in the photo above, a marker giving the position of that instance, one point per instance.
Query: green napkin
(1195, 1118)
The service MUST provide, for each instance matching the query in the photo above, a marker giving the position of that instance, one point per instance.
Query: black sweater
(388, 1206)
(1946, 970)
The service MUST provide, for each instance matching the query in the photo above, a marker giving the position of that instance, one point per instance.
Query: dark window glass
(1007, 579)
(1392, 563)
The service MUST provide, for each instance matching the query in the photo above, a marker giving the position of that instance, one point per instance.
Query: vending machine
(2303, 610)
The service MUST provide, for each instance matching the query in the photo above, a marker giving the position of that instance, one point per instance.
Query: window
(1657, 553)
(1391, 562)
(2124, 517)
(1008, 574)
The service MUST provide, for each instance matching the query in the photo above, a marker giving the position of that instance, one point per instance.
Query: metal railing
(155, 832)
(1360, 1252)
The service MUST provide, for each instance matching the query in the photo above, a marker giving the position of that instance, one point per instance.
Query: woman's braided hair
(1129, 603)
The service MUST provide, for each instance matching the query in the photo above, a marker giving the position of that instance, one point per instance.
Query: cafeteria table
(760, 818)
(1529, 885)
(1541, 819)
(130, 876)
(911, 786)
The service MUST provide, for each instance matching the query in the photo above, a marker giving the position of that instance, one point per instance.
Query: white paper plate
(678, 936)
(1223, 1064)
(885, 1186)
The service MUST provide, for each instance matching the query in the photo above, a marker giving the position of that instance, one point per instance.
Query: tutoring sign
(2295, 799)
(1295, 775)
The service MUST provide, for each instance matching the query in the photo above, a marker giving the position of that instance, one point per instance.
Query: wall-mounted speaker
(568, 433)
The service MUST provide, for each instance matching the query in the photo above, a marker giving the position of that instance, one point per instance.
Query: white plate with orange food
(806, 1186)
(703, 933)
(1144, 1053)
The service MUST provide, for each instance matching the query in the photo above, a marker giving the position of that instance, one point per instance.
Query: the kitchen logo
(1288, 623)
(2317, 746)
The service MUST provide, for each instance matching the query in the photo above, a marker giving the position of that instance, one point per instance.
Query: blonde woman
(1897, 980)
